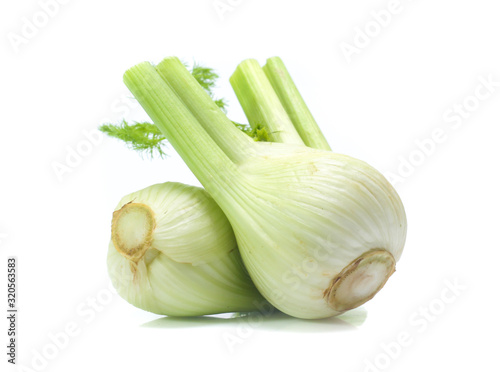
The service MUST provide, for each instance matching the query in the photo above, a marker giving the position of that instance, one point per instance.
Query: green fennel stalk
(146, 138)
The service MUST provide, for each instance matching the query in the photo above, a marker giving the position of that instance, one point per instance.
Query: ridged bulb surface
(309, 220)
(183, 263)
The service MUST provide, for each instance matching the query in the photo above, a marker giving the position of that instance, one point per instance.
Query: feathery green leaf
(141, 137)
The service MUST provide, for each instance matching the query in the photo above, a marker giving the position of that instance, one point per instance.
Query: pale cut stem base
(132, 230)
(359, 281)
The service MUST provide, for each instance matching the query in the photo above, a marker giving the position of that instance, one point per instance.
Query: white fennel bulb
(173, 252)
(319, 232)
(330, 229)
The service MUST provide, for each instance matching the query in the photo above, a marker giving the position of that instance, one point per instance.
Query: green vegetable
(141, 137)
(269, 95)
(264, 106)
(319, 232)
(173, 252)
(293, 103)
(145, 137)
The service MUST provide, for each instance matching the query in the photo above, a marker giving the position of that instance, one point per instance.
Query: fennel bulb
(319, 232)
(173, 252)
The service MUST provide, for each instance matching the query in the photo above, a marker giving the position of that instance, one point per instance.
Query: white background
(428, 59)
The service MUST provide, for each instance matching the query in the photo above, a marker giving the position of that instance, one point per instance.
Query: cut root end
(132, 230)
(359, 281)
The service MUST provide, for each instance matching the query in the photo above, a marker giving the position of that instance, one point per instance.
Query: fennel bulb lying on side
(319, 232)
(173, 252)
